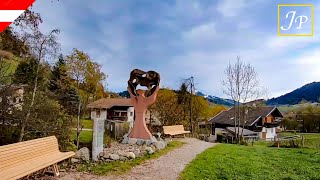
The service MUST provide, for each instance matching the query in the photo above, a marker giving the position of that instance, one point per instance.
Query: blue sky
(185, 38)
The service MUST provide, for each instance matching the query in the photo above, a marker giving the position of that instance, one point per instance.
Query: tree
(310, 117)
(42, 46)
(87, 78)
(167, 108)
(241, 84)
(61, 87)
(183, 100)
(11, 42)
(5, 69)
(47, 117)
(26, 73)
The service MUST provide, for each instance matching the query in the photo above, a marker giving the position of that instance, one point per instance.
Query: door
(264, 135)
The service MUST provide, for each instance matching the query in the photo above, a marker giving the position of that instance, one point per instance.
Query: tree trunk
(235, 120)
(78, 125)
(24, 123)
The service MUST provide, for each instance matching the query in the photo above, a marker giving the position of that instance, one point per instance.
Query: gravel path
(166, 167)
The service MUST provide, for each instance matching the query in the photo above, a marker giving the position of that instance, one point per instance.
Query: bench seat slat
(11, 160)
(177, 133)
(27, 143)
(26, 151)
(27, 167)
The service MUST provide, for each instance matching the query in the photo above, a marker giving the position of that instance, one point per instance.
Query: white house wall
(130, 118)
(271, 133)
(103, 115)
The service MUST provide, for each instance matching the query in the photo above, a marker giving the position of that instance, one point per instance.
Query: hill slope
(309, 92)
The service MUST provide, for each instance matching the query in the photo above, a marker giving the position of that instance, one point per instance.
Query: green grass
(85, 136)
(227, 161)
(119, 167)
(312, 140)
(87, 124)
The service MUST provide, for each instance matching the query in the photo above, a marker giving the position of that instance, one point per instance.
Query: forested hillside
(309, 92)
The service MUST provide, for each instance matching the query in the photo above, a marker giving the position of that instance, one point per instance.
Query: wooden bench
(21, 159)
(174, 130)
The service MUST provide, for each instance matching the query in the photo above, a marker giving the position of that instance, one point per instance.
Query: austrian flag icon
(11, 10)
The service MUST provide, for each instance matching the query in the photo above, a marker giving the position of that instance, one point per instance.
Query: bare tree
(42, 46)
(241, 84)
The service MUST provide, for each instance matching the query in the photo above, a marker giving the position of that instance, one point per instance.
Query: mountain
(216, 100)
(124, 94)
(309, 92)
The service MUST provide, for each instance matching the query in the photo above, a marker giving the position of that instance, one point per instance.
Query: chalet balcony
(121, 118)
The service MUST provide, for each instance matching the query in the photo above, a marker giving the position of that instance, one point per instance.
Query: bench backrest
(175, 128)
(18, 152)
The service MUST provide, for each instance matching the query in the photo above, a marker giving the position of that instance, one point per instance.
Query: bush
(294, 143)
(107, 140)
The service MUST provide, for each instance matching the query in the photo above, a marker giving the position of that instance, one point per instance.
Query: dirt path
(166, 167)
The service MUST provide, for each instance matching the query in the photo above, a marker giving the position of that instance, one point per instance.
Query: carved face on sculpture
(150, 79)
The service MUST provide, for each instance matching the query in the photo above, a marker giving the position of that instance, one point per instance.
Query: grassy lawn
(85, 136)
(312, 140)
(87, 124)
(227, 161)
(119, 167)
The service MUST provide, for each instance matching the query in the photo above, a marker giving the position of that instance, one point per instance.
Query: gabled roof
(107, 103)
(254, 114)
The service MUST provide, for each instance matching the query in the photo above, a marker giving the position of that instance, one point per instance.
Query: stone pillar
(98, 135)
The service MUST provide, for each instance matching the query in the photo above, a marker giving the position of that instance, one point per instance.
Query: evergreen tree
(26, 74)
(59, 76)
(61, 87)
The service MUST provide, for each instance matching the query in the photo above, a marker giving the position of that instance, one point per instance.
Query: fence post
(302, 141)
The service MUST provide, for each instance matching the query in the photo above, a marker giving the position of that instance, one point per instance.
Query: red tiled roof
(110, 102)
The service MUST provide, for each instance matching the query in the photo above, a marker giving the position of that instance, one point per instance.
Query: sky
(184, 38)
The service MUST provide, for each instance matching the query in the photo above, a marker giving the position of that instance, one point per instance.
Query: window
(131, 113)
(97, 113)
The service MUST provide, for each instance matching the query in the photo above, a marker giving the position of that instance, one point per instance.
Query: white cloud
(201, 33)
(231, 8)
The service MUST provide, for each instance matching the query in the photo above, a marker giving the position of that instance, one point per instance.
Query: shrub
(294, 143)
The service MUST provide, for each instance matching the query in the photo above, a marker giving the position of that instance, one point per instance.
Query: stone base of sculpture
(157, 143)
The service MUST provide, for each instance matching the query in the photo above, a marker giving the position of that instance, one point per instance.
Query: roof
(246, 132)
(107, 103)
(254, 114)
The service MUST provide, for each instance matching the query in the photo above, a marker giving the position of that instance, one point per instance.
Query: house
(263, 120)
(115, 109)
(11, 97)
(117, 112)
